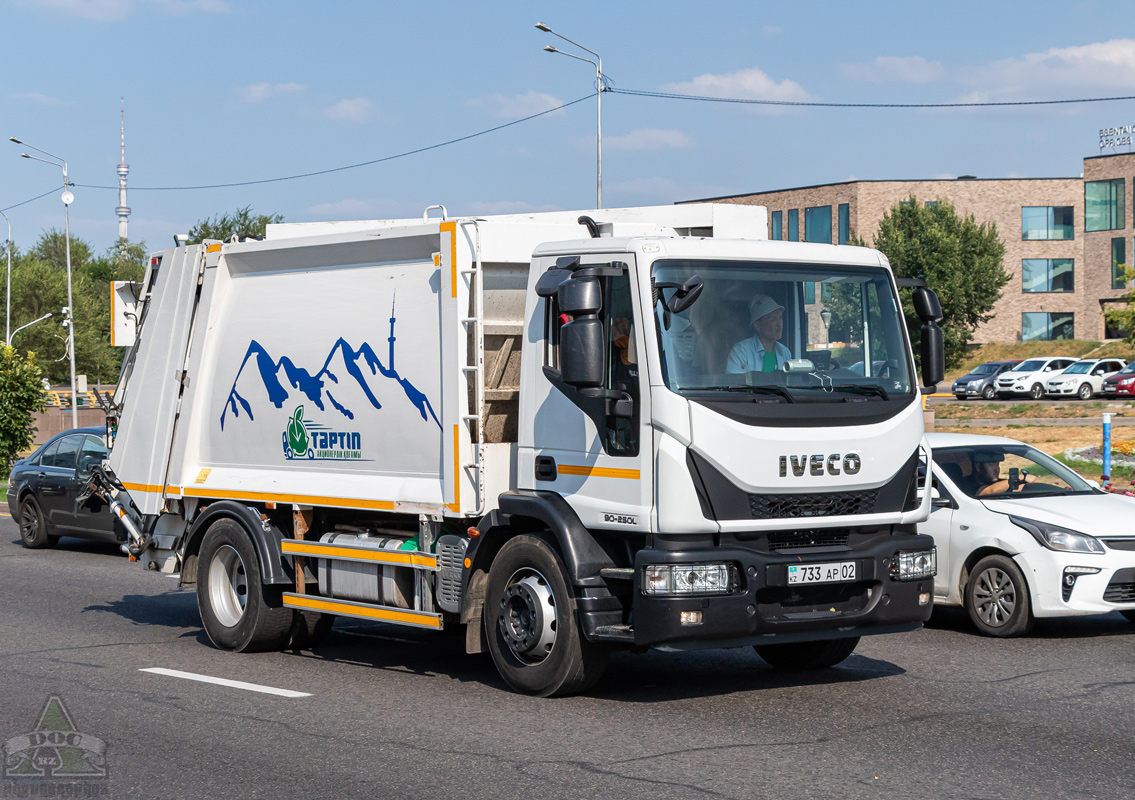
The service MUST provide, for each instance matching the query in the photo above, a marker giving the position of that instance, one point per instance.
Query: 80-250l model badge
(819, 464)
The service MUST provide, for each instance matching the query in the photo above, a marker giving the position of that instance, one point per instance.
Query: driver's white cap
(761, 305)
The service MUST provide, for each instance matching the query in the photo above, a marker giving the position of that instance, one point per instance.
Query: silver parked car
(982, 380)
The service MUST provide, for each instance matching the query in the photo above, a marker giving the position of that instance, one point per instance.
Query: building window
(1047, 274)
(1047, 222)
(794, 225)
(777, 228)
(1103, 205)
(844, 223)
(1118, 263)
(809, 292)
(818, 224)
(931, 203)
(1040, 326)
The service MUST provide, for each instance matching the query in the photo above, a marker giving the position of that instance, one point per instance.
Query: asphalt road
(940, 713)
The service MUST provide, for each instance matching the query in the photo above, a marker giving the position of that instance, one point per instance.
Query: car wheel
(33, 527)
(800, 656)
(237, 610)
(997, 598)
(1085, 392)
(530, 623)
(1037, 392)
(988, 393)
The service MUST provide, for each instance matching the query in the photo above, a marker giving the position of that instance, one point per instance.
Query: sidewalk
(1060, 422)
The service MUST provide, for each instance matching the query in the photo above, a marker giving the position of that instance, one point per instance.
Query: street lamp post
(69, 312)
(12, 335)
(598, 64)
(8, 285)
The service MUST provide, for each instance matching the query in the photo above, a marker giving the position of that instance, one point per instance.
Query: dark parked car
(43, 488)
(982, 380)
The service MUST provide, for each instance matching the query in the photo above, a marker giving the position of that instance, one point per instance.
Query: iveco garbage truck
(567, 432)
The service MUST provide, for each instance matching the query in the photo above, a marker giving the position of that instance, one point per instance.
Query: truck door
(598, 461)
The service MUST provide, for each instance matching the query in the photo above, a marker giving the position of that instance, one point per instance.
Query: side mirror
(926, 305)
(582, 352)
(933, 354)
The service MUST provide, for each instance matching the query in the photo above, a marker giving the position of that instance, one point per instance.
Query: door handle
(546, 468)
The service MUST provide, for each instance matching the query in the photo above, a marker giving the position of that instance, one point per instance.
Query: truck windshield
(791, 332)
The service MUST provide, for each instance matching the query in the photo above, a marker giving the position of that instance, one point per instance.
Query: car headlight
(1127, 381)
(913, 565)
(687, 579)
(1060, 539)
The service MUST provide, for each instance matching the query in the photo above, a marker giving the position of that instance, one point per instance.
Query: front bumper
(1044, 571)
(764, 609)
(1063, 389)
(1111, 389)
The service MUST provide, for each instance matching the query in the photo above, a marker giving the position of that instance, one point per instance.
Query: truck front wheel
(238, 611)
(530, 623)
(800, 656)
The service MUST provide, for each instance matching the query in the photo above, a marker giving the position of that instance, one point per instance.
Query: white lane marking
(251, 687)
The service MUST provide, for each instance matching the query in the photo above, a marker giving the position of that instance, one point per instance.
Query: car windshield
(795, 333)
(1079, 368)
(1006, 471)
(985, 369)
(1036, 365)
(1128, 369)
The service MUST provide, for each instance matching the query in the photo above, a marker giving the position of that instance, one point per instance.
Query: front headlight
(686, 579)
(1060, 539)
(913, 565)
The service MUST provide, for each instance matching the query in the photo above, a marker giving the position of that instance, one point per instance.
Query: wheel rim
(1038, 392)
(228, 585)
(995, 597)
(29, 522)
(527, 619)
(988, 393)
(1085, 391)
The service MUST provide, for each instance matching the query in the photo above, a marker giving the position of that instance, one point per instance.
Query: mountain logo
(55, 749)
(353, 369)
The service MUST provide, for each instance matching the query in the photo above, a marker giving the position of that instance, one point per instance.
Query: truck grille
(805, 540)
(831, 504)
(1122, 587)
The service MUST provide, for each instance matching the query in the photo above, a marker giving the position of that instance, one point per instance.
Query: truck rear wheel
(238, 611)
(530, 623)
(800, 656)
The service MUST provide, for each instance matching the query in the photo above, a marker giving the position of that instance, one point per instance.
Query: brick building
(1066, 239)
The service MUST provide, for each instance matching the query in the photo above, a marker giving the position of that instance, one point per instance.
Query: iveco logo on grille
(820, 464)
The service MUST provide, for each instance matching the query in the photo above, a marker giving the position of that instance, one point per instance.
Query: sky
(227, 91)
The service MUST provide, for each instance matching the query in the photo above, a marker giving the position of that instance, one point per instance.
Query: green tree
(21, 394)
(1123, 317)
(958, 258)
(242, 223)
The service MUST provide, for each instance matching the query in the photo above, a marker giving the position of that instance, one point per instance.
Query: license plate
(822, 573)
(1109, 389)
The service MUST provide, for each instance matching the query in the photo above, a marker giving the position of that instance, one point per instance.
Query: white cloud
(661, 191)
(893, 69)
(488, 207)
(40, 99)
(944, 176)
(745, 84)
(772, 30)
(258, 92)
(358, 208)
(521, 105)
(101, 10)
(1110, 64)
(354, 110)
(647, 140)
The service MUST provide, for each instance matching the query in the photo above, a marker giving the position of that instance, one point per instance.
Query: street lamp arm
(33, 322)
(33, 147)
(570, 55)
(547, 29)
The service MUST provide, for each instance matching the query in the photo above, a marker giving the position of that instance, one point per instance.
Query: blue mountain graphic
(314, 387)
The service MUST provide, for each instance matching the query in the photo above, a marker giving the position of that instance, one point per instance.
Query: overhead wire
(25, 202)
(820, 104)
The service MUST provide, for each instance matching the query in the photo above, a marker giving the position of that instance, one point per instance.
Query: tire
(238, 612)
(1085, 391)
(988, 393)
(33, 527)
(800, 656)
(1036, 392)
(997, 598)
(1129, 614)
(531, 623)
(309, 628)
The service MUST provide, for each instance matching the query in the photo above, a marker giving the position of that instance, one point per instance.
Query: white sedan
(1021, 536)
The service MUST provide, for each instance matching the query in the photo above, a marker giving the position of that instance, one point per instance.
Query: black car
(43, 488)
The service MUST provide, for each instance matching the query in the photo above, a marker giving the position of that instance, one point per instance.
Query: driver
(761, 352)
(987, 470)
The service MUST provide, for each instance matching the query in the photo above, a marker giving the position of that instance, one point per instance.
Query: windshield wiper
(854, 388)
(780, 391)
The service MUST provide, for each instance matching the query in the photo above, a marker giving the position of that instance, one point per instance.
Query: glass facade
(777, 223)
(1047, 274)
(1047, 222)
(794, 225)
(1118, 263)
(844, 223)
(1103, 205)
(809, 293)
(1039, 326)
(818, 224)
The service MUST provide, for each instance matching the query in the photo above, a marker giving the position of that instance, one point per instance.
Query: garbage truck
(568, 432)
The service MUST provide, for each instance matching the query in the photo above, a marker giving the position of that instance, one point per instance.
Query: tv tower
(123, 210)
